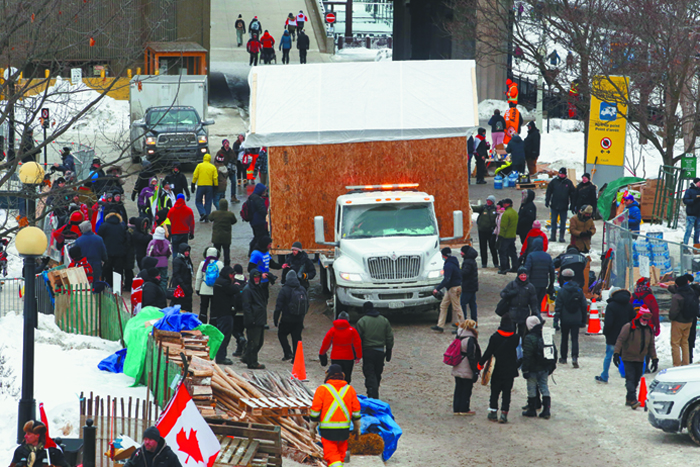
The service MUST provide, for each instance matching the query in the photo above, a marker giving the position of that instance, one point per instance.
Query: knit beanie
(531, 322)
(152, 433)
(681, 281)
(447, 251)
(296, 245)
(567, 273)
(153, 273)
(536, 225)
(180, 196)
(506, 323)
(344, 315)
(367, 307)
(238, 269)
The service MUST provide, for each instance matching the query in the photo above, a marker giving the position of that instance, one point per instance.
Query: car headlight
(435, 274)
(150, 140)
(351, 277)
(202, 139)
(668, 388)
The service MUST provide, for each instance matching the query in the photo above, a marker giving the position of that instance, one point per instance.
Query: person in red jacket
(70, 231)
(77, 260)
(536, 231)
(347, 345)
(268, 47)
(253, 47)
(643, 293)
(181, 223)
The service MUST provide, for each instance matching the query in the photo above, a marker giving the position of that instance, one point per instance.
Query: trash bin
(72, 450)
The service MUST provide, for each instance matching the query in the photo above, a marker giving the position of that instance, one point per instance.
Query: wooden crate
(236, 451)
(269, 438)
(275, 406)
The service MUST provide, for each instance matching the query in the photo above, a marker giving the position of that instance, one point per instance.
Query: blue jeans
(470, 299)
(538, 380)
(562, 215)
(217, 197)
(208, 193)
(690, 222)
(609, 350)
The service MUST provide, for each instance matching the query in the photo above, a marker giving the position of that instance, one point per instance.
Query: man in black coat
(570, 311)
(574, 260)
(183, 270)
(503, 345)
(586, 195)
(527, 214)
(33, 444)
(254, 304)
(258, 215)
(178, 181)
(691, 199)
(560, 196)
(113, 232)
(154, 452)
(481, 153)
(298, 261)
(516, 149)
(540, 269)
(618, 313)
(222, 310)
(292, 305)
(470, 280)
(532, 147)
(522, 298)
(152, 293)
(452, 283)
(302, 45)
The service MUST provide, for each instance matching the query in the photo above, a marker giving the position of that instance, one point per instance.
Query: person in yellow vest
(335, 410)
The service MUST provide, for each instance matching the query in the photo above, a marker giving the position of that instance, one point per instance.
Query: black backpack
(574, 303)
(299, 303)
(548, 353)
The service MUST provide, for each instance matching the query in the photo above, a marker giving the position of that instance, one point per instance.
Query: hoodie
(635, 216)
(532, 142)
(284, 298)
(539, 265)
(178, 181)
(531, 235)
(159, 248)
(258, 209)
(516, 149)
(527, 214)
(345, 341)
(452, 274)
(470, 271)
(503, 345)
(254, 303)
(181, 218)
(618, 312)
(268, 42)
(183, 270)
(141, 238)
(113, 232)
(222, 220)
(70, 231)
(200, 284)
(286, 41)
(147, 192)
(205, 174)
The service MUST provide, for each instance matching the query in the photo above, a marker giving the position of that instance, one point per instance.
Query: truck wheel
(323, 277)
(337, 306)
(693, 424)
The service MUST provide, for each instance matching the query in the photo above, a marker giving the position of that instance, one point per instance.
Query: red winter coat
(181, 218)
(651, 303)
(268, 42)
(70, 231)
(253, 46)
(532, 234)
(83, 263)
(345, 340)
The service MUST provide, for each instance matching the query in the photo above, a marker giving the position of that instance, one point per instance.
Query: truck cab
(386, 248)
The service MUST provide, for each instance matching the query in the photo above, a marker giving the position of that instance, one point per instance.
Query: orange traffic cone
(642, 392)
(299, 368)
(594, 320)
(544, 306)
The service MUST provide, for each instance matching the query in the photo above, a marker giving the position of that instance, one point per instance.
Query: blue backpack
(211, 274)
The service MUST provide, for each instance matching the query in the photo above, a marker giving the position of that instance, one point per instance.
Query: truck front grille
(176, 139)
(386, 268)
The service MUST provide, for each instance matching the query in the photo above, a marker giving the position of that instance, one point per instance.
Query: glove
(526, 375)
(193, 188)
(479, 366)
(546, 205)
(133, 196)
(188, 199)
(198, 294)
(654, 365)
(191, 237)
(323, 358)
(616, 360)
(312, 430)
(387, 356)
(556, 327)
(356, 425)
(276, 324)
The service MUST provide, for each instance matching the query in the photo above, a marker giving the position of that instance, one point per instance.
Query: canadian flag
(186, 432)
(49, 443)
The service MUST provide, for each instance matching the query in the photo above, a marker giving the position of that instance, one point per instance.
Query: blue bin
(497, 182)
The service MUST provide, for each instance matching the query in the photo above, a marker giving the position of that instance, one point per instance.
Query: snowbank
(65, 366)
(362, 54)
(487, 106)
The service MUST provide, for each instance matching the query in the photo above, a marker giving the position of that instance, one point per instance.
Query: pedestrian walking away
(498, 128)
(222, 169)
(618, 312)
(452, 283)
(486, 223)
(205, 178)
(516, 149)
(290, 310)
(254, 304)
(291, 24)
(540, 270)
(559, 198)
(334, 411)
(470, 281)
(223, 221)
(574, 260)
(181, 220)
(285, 47)
(160, 248)
(183, 270)
(301, 20)
(254, 46)
(481, 153)
(377, 346)
(684, 310)
(153, 452)
(257, 210)
(268, 47)
(303, 44)
(240, 30)
(501, 352)
(345, 344)
(570, 310)
(255, 27)
(527, 214)
(207, 273)
(634, 344)
(532, 148)
(536, 368)
(465, 372)
(226, 290)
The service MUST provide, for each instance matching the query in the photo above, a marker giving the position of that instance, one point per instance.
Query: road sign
(330, 17)
(688, 164)
(605, 143)
(45, 114)
(76, 76)
(607, 125)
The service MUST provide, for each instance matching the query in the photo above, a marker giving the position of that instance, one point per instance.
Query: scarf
(31, 459)
(207, 260)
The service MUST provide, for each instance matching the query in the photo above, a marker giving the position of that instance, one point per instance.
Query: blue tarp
(175, 321)
(377, 418)
(114, 363)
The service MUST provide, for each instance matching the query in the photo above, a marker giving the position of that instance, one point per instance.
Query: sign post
(688, 165)
(45, 125)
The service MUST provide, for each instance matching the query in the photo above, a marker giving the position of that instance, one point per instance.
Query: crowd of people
(261, 43)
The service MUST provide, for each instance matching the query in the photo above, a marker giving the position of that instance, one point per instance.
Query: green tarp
(605, 199)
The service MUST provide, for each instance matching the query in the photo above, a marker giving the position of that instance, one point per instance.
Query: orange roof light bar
(395, 186)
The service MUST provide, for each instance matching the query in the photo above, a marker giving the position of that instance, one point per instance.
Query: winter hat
(180, 196)
(522, 270)
(153, 273)
(75, 253)
(629, 197)
(148, 262)
(35, 427)
(613, 290)
(240, 16)
(465, 249)
(226, 271)
(344, 315)
(296, 245)
(681, 281)
(85, 226)
(447, 251)
(587, 175)
(562, 170)
(690, 278)
(491, 198)
(238, 269)
(567, 273)
(507, 201)
(696, 180)
(506, 324)
(335, 370)
(96, 162)
(152, 433)
(367, 307)
(587, 210)
(159, 233)
(536, 225)
(644, 311)
(60, 180)
(531, 322)
(225, 142)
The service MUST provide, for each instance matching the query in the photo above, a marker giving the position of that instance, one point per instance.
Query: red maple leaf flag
(187, 433)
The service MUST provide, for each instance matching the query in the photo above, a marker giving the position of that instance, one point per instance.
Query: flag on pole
(50, 443)
(187, 433)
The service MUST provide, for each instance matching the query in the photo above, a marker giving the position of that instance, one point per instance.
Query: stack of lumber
(61, 279)
(198, 382)
(267, 398)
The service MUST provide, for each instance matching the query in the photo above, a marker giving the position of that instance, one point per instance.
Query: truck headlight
(435, 274)
(202, 139)
(351, 277)
(150, 140)
(668, 388)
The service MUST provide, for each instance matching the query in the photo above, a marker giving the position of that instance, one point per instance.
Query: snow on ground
(361, 54)
(487, 106)
(59, 358)
(14, 262)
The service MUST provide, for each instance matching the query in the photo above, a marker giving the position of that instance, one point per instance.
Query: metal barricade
(12, 296)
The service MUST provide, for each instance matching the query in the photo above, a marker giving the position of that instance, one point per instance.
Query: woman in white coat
(202, 281)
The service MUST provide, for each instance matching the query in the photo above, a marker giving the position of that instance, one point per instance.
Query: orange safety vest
(512, 118)
(250, 171)
(335, 405)
(512, 93)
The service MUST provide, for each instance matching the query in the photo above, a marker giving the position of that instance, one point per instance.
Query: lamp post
(31, 242)
(31, 174)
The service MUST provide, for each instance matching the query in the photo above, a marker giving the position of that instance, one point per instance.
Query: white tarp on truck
(332, 103)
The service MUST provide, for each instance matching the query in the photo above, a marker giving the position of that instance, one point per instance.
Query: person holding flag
(38, 448)
(334, 407)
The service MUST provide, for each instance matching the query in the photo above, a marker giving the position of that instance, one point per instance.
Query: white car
(673, 401)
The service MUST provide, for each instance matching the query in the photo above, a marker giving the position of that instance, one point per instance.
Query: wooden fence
(160, 373)
(114, 417)
(79, 311)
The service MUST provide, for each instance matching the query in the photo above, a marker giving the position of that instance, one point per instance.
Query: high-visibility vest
(335, 415)
(513, 93)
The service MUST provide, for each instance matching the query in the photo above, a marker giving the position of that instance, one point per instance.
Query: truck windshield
(388, 220)
(172, 117)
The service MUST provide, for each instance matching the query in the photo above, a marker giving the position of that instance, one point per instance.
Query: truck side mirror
(458, 226)
(140, 124)
(208, 122)
(319, 232)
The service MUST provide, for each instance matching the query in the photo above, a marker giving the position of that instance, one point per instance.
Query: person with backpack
(538, 364)
(207, 273)
(253, 47)
(182, 276)
(498, 128)
(298, 261)
(527, 214)
(634, 344)
(292, 305)
(222, 310)
(522, 300)
(465, 372)
(470, 281)
(570, 309)
(254, 210)
(254, 306)
(486, 223)
(240, 29)
(684, 309)
(502, 353)
(377, 345)
(574, 260)
(223, 221)
(540, 270)
(254, 27)
(452, 283)
(345, 344)
(618, 312)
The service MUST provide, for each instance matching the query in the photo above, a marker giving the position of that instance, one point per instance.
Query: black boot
(547, 404)
(530, 412)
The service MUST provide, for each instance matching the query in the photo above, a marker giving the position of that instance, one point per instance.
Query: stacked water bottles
(655, 249)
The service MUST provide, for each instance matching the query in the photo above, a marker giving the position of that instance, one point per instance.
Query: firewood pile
(191, 343)
(268, 398)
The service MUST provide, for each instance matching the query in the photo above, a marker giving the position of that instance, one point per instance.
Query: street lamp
(31, 174)
(30, 242)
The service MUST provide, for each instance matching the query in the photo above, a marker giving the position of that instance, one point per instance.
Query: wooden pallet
(275, 406)
(269, 438)
(236, 451)
(534, 185)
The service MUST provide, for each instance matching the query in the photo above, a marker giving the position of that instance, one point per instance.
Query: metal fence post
(89, 446)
